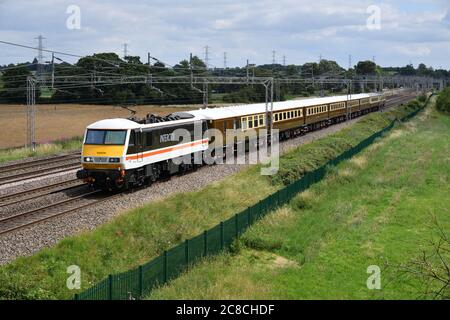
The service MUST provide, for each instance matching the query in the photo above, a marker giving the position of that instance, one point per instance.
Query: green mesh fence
(135, 283)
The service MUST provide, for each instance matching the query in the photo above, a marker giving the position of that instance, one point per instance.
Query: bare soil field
(60, 121)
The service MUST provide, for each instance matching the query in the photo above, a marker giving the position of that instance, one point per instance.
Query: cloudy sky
(412, 31)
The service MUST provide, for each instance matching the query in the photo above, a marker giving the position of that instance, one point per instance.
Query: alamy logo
(73, 22)
(374, 280)
(74, 280)
(374, 20)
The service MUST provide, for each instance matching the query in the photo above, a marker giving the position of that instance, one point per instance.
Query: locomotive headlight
(88, 159)
(114, 160)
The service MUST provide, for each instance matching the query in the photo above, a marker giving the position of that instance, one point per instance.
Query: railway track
(397, 100)
(38, 168)
(38, 173)
(34, 193)
(28, 218)
(39, 162)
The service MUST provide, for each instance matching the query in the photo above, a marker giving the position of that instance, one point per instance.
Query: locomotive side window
(148, 139)
(132, 140)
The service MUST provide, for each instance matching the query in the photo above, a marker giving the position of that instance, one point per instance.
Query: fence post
(236, 224)
(186, 248)
(165, 265)
(205, 243)
(249, 218)
(222, 244)
(141, 281)
(110, 287)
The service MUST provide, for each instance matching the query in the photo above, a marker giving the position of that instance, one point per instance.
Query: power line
(273, 56)
(79, 56)
(224, 60)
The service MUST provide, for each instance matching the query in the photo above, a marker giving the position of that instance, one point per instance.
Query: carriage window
(255, 121)
(250, 122)
(261, 120)
(284, 116)
(244, 123)
(276, 116)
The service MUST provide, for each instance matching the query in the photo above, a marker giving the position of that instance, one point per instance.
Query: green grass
(376, 209)
(46, 149)
(142, 234)
(217, 98)
(46, 92)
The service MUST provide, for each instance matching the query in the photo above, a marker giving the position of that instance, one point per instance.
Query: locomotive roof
(124, 124)
(241, 110)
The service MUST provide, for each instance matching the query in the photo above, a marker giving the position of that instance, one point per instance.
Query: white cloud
(300, 29)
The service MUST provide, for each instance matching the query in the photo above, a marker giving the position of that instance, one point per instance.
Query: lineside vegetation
(386, 207)
(142, 234)
(66, 145)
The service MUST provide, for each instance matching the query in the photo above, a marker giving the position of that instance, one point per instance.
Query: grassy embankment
(376, 209)
(41, 150)
(143, 233)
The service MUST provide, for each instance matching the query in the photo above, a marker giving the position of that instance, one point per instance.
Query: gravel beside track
(28, 240)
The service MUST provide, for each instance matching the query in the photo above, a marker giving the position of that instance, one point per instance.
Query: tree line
(77, 83)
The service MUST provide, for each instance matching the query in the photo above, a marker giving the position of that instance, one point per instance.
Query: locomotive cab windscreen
(105, 137)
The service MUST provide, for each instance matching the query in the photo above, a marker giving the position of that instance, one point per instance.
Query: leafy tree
(408, 70)
(15, 84)
(443, 101)
(366, 68)
(329, 67)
